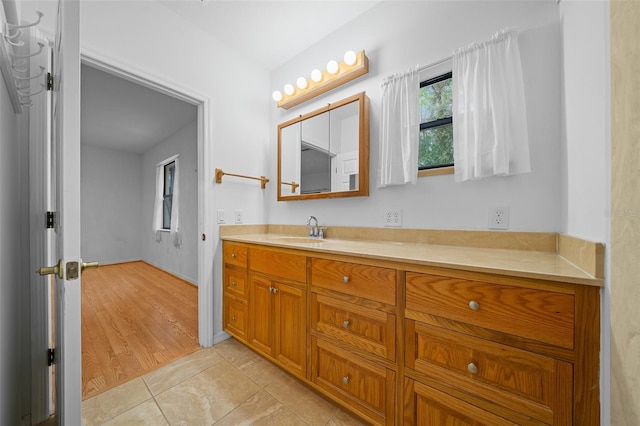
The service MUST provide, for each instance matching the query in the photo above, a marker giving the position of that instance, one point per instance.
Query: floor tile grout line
(287, 406)
(155, 401)
(127, 410)
(237, 406)
(182, 380)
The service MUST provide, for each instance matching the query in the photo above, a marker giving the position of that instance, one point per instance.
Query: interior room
(126, 131)
(507, 297)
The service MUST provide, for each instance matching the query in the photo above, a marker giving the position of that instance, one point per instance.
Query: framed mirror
(325, 153)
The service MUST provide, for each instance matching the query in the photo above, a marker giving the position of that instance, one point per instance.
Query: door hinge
(51, 352)
(50, 220)
(49, 81)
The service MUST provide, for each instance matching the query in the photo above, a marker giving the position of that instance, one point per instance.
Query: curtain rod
(435, 64)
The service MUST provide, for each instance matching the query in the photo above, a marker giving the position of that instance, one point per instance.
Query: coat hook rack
(20, 51)
(219, 173)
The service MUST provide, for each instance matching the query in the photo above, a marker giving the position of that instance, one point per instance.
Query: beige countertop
(547, 265)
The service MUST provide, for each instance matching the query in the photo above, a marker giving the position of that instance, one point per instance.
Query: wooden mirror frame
(363, 153)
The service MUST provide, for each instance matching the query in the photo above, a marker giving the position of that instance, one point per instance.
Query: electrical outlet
(237, 215)
(393, 217)
(499, 217)
(220, 216)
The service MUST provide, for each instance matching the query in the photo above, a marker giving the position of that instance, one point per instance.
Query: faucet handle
(321, 231)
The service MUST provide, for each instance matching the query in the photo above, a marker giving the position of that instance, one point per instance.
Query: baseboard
(220, 337)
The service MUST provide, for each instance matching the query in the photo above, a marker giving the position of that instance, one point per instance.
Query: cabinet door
(235, 318)
(367, 387)
(425, 406)
(290, 328)
(235, 282)
(260, 315)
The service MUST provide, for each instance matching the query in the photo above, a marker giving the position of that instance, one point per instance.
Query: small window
(436, 125)
(167, 194)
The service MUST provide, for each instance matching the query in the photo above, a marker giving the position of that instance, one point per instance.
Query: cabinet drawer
(235, 282)
(282, 264)
(235, 318)
(537, 386)
(426, 406)
(370, 282)
(235, 254)
(539, 315)
(365, 328)
(369, 387)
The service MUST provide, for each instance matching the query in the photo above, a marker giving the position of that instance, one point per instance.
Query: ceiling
(122, 115)
(271, 32)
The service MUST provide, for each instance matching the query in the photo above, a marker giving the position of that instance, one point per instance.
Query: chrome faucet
(313, 230)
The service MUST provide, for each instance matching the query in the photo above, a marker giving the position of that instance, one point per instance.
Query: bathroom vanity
(494, 332)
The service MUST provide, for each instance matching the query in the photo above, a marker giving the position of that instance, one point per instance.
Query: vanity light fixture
(332, 67)
(301, 83)
(353, 66)
(289, 90)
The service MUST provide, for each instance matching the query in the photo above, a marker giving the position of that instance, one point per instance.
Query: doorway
(128, 128)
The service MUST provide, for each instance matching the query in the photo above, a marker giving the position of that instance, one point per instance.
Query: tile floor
(226, 384)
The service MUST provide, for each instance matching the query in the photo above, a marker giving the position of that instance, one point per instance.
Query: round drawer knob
(233, 284)
(345, 380)
(233, 318)
(473, 369)
(275, 290)
(345, 279)
(233, 255)
(345, 324)
(474, 305)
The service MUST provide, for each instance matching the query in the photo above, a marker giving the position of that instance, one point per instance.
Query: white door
(66, 193)
(344, 166)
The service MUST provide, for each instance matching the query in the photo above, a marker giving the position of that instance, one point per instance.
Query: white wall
(586, 108)
(14, 261)
(111, 205)
(398, 35)
(181, 260)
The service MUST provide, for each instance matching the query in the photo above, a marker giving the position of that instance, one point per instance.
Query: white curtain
(399, 129)
(175, 207)
(157, 205)
(489, 116)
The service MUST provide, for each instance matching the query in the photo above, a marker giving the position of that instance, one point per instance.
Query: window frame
(445, 169)
(167, 174)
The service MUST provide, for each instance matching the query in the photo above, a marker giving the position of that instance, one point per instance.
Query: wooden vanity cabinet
(398, 343)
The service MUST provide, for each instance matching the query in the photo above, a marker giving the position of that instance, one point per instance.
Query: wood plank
(135, 318)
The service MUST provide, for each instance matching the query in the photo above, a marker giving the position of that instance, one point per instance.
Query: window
(167, 194)
(436, 126)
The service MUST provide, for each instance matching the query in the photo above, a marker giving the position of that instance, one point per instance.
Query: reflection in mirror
(320, 154)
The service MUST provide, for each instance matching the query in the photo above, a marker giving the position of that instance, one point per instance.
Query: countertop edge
(577, 276)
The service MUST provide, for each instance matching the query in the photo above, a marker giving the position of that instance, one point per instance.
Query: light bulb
(316, 75)
(277, 96)
(332, 67)
(350, 57)
(288, 89)
(301, 83)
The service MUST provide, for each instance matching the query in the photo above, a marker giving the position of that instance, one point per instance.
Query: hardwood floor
(135, 318)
